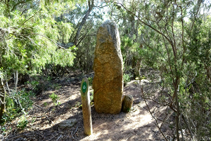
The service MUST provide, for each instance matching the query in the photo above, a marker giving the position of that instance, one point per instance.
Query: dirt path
(45, 117)
(135, 125)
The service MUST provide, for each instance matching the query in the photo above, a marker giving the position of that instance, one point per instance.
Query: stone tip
(109, 22)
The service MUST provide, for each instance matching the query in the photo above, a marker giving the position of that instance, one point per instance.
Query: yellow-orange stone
(108, 82)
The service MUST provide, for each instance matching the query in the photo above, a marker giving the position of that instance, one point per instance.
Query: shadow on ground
(45, 117)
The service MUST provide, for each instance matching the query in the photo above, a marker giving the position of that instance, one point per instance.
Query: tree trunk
(208, 69)
(177, 106)
(91, 5)
(3, 103)
(137, 67)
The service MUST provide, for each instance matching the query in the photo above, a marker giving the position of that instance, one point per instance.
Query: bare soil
(44, 117)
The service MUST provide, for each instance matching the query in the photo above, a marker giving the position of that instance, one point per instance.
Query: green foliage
(22, 122)
(33, 84)
(3, 129)
(78, 104)
(45, 104)
(57, 86)
(126, 78)
(142, 77)
(176, 41)
(91, 97)
(30, 38)
(90, 79)
(130, 53)
(54, 98)
(17, 102)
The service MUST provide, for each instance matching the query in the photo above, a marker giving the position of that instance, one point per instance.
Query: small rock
(67, 123)
(132, 82)
(1, 137)
(127, 103)
(144, 81)
(137, 101)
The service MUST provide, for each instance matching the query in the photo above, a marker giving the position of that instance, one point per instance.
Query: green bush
(126, 78)
(90, 79)
(54, 98)
(17, 102)
(22, 123)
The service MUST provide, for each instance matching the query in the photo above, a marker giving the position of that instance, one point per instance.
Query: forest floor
(45, 117)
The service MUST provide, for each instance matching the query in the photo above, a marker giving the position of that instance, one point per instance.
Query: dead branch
(59, 137)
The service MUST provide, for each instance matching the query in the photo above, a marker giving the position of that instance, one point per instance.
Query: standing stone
(85, 99)
(108, 82)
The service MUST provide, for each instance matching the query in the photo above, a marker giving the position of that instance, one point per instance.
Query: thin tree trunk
(208, 73)
(3, 104)
(91, 5)
(16, 80)
(177, 106)
(137, 67)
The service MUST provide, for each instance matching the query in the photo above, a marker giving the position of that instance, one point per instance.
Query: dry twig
(59, 137)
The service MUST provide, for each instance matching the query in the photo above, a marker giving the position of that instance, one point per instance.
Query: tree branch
(198, 7)
(30, 17)
(21, 2)
(91, 5)
(159, 32)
